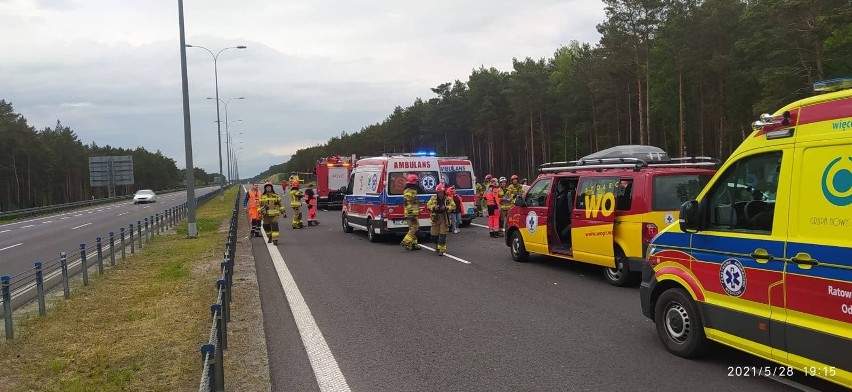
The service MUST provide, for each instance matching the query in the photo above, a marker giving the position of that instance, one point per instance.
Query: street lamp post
(218, 125)
(228, 102)
(191, 229)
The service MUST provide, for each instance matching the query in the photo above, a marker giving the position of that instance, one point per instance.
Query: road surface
(341, 312)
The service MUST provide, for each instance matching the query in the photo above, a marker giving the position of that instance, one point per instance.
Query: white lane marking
(446, 255)
(478, 225)
(5, 231)
(792, 384)
(10, 247)
(46, 222)
(123, 213)
(24, 227)
(78, 215)
(75, 228)
(327, 372)
(63, 218)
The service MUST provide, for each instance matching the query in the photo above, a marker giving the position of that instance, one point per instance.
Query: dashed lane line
(10, 247)
(3, 231)
(24, 227)
(123, 213)
(447, 255)
(327, 372)
(83, 225)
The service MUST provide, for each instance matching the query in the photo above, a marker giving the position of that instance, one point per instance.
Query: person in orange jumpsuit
(311, 202)
(492, 200)
(250, 204)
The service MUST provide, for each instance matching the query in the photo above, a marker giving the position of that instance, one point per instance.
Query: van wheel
(620, 274)
(371, 235)
(519, 251)
(679, 324)
(346, 227)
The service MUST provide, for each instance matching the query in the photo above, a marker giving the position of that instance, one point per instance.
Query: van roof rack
(636, 164)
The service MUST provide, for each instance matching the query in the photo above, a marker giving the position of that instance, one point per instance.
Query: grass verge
(138, 327)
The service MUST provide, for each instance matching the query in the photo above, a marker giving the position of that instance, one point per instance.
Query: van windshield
(670, 192)
(426, 182)
(459, 179)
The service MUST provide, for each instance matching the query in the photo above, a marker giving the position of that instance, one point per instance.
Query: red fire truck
(332, 175)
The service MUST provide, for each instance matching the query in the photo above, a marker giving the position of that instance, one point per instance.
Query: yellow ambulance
(762, 260)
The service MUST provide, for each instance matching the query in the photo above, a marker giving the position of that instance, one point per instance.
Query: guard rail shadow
(37, 282)
(212, 364)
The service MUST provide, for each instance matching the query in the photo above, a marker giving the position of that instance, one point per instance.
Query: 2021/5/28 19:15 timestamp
(760, 371)
(819, 371)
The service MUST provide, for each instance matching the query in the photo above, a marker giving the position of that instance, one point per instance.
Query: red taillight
(649, 231)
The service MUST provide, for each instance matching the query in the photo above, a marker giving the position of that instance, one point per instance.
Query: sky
(110, 69)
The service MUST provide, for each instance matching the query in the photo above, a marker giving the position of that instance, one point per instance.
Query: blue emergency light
(830, 85)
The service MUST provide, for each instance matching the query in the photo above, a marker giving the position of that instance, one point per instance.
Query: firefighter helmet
(440, 188)
(514, 177)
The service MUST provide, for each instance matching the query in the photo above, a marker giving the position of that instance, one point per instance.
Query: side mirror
(689, 216)
(344, 190)
(519, 201)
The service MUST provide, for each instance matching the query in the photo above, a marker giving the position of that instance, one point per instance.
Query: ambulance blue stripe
(672, 239)
(824, 254)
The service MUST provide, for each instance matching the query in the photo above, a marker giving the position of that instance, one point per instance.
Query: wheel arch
(666, 282)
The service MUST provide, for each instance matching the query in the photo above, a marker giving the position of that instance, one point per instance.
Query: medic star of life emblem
(532, 222)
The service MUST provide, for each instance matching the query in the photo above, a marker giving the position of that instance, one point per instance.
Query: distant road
(43, 238)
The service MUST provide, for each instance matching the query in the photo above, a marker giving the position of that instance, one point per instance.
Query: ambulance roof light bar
(626, 163)
(827, 86)
(410, 154)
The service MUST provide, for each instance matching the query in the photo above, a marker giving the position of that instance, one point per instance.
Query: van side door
(533, 217)
(738, 255)
(592, 220)
(819, 255)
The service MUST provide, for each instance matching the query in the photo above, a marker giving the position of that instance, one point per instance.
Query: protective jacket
(270, 205)
(412, 206)
(251, 202)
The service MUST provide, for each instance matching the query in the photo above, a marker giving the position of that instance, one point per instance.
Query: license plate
(399, 222)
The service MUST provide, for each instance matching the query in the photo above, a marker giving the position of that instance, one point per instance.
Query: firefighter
(270, 209)
(481, 203)
(296, 203)
(515, 187)
(412, 211)
(250, 204)
(441, 206)
(505, 204)
(492, 200)
(311, 202)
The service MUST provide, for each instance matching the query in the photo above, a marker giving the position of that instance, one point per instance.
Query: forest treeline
(51, 165)
(688, 76)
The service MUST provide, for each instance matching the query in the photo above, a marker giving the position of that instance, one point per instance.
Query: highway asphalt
(374, 317)
(43, 238)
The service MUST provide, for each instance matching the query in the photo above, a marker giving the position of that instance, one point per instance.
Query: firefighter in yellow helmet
(412, 212)
(440, 206)
(270, 209)
(296, 203)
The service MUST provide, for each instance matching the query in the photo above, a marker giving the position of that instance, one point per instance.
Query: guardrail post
(132, 240)
(84, 264)
(100, 249)
(42, 309)
(139, 233)
(209, 351)
(63, 263)
(160, 221)
(216, 310)
(221, 284)
(7, 306)
(112, 249)
(147, 232)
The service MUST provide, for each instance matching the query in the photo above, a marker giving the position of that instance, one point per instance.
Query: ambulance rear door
(593, 219)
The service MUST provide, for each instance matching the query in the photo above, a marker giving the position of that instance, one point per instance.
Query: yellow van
(762, 260)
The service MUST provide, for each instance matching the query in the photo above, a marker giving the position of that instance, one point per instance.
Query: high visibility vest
(254, 196)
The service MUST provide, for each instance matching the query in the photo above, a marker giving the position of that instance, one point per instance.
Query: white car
(144, 196)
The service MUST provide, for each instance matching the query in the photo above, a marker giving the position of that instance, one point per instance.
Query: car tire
(620, 275)
(371, 234)
(679, 324)
(517, 248)
(465, 223)
(346, 227)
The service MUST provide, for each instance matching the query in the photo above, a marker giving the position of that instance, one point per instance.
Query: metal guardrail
(212, 364)
(61, 269)
(68, 206)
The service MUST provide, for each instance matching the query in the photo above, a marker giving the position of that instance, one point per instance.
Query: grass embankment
(138, 327)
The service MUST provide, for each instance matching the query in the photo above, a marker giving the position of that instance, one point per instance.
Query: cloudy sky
(110, 69)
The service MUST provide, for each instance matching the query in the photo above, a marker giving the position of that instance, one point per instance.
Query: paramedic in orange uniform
(492, 201)
(250, 204)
